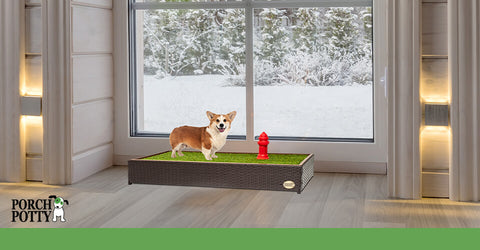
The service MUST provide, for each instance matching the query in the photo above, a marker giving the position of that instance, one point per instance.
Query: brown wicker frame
(221, 175)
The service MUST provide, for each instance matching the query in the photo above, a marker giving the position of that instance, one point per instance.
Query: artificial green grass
(284, 159)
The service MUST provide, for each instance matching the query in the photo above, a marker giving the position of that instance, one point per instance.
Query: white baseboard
(91, 162)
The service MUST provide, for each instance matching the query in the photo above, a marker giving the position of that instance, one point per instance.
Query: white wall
(464, 79)
(92, 87)
(12, 151)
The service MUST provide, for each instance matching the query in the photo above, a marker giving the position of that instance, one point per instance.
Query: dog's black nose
(221, 125)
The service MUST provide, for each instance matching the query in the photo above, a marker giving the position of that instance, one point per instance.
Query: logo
(58, 208)
(39, 210)
(289, 184)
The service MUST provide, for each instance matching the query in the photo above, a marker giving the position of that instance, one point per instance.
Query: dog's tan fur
(206, 139)
(194, 137)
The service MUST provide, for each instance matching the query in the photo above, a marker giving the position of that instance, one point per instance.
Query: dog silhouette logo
(58, 208)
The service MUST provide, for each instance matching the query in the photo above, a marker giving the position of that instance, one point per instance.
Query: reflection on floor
(330, 200)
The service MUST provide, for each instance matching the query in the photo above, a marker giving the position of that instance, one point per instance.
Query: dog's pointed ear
(210, 115)
(52, 196)
(66, 202)
(232, 115)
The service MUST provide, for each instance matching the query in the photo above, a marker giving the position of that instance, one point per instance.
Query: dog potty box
(282, 172)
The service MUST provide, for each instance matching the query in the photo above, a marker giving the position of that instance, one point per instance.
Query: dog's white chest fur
(218, 139)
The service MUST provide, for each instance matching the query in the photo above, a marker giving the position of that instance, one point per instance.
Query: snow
(304, 111)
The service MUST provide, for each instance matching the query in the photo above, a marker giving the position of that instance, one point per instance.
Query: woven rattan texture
(307, 174)
(223, 175)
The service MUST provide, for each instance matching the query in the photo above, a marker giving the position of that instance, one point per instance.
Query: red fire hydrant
(262, 149)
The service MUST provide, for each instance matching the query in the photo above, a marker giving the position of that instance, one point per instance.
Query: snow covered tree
(154, 45)
(306, 30)
(308, 46)
(163, 43)
(367, 21)
(365, 42)
(200, 51)
(341, 30)
(231, 34)
(274, 41)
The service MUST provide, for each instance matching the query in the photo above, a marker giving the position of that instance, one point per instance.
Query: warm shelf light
(24, 91)
(436, 100)
(32, 119)
(32, 93)
(435, 129)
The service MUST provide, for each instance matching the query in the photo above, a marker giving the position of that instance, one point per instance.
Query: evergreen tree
(341, 31)
(163, 42)
(367, 21)
(364, 46)
(306, 30)
(200, 51)
(231, 34)
(313, 46)
(152, 43)
(273, 44)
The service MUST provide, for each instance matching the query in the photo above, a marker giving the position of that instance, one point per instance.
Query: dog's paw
(214, 156)
(174, 155)
(180, 154)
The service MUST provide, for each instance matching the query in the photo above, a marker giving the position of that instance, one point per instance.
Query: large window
(299, 70)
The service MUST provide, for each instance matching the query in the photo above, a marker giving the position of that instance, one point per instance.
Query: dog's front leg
(213, 153)
(62, 218)
(206, 153)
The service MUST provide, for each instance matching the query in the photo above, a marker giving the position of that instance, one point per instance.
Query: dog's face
(59, 202)
(221, 123)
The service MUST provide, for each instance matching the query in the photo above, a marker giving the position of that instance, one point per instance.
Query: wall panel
(92, 77)
(92, 30)
(98, 3)
(92, 87)
(92, 125)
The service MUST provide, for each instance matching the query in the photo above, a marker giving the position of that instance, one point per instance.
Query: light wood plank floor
(330, 200)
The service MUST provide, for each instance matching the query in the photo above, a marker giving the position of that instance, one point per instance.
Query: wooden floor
(330, 200)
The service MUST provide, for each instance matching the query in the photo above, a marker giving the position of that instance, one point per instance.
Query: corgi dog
(209, 139)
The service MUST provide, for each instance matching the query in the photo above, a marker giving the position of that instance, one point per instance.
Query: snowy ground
(339, 111)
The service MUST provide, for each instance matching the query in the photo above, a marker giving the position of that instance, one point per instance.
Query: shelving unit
(435, 141)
